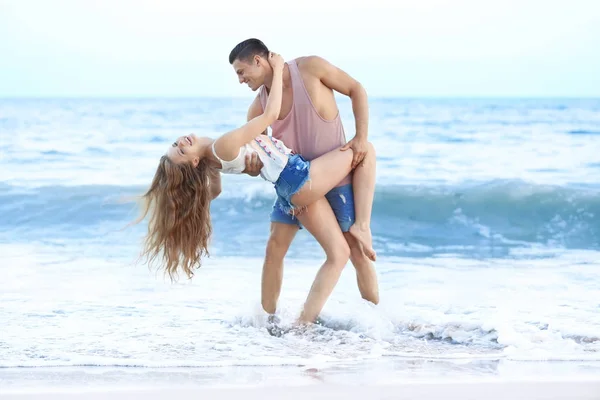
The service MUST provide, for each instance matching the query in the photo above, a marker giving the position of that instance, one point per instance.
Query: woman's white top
(272, 152)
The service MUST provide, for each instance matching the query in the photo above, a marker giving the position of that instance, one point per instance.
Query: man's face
(250, 72)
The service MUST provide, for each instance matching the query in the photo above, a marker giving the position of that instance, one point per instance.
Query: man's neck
(287, 81)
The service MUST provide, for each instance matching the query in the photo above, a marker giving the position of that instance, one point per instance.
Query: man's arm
(215, 182)
(253, 163)
(338, 80)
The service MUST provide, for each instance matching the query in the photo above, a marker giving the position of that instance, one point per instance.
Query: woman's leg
(320, 221)
(327, 171)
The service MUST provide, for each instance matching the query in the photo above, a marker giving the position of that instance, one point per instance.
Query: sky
(400, 48)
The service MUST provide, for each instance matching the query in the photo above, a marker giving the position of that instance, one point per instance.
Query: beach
(487, 231)
(465, 391)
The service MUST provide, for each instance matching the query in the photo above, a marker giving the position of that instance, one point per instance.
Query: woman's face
(186, 149)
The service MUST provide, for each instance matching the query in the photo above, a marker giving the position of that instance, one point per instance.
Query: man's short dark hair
(247, 49)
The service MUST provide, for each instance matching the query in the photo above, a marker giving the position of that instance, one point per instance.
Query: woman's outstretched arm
(228, 145)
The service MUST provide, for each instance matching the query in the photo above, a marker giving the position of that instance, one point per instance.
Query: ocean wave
(583, 132)
(498, 214)
(119, 363)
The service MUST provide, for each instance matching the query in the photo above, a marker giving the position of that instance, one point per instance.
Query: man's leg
(341, 200)
(320, 221)
(283, 231)
(366, 276)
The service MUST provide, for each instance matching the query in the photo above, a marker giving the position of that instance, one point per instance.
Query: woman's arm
(253, 163)
(215, 182)
(228, 145)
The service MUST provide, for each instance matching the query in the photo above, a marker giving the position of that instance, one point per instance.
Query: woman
(180, 193)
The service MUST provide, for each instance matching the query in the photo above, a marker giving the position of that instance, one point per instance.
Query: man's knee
(357, 255)
(276, 248)
(280, 239)
(339, 255)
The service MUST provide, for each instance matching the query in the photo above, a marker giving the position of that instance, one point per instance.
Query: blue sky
(395, 48)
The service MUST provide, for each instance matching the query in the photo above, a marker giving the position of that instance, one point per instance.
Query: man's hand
(359, 147)
(253, 165)
(338, 80)
(299, 211)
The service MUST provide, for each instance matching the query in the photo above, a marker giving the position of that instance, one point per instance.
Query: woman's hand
(228, 145)
(276, 61)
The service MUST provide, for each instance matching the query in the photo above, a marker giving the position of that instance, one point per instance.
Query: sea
(486, 222)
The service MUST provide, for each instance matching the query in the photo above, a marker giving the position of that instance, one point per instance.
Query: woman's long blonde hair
(179, 227)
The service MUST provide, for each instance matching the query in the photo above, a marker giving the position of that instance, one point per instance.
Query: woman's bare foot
(363, 235)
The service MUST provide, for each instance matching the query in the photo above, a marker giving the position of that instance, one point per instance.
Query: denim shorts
(291, 180)
(340, 198)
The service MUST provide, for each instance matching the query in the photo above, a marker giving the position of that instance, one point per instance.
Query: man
(310, 124)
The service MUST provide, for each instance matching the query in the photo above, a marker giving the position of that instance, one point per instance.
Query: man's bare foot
(302, 321)
(273, 326)
(363, 235)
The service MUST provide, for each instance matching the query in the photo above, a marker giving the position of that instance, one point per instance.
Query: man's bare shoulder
(311, 64)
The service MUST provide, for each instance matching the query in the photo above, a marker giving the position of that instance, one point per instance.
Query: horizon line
(385, 97)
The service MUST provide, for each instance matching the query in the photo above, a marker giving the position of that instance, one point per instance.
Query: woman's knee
(371, 149)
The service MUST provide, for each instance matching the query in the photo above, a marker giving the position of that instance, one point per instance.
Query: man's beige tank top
(303, 130)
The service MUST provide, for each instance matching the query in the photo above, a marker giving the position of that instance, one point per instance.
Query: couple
(322, 194)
